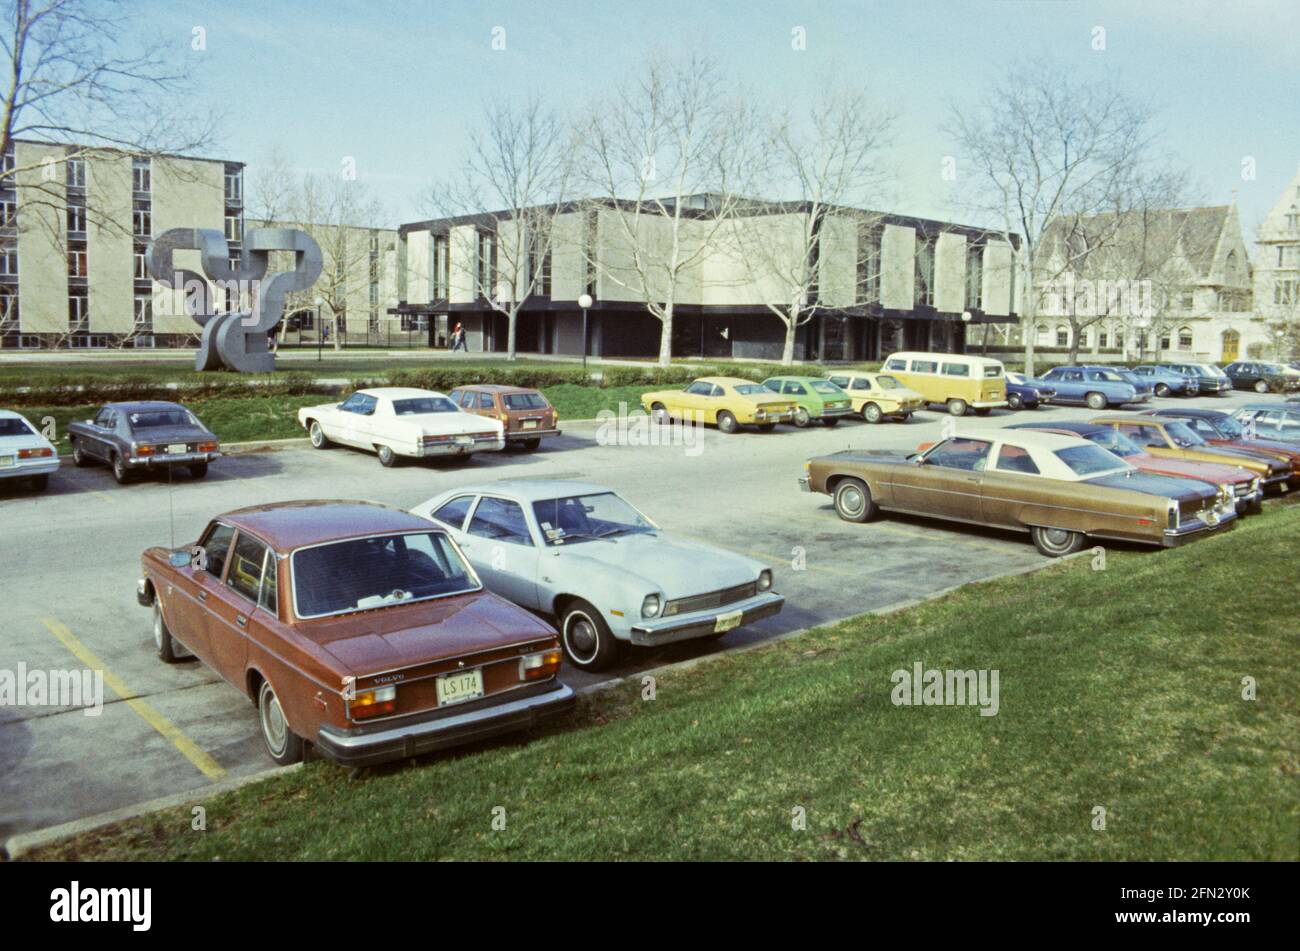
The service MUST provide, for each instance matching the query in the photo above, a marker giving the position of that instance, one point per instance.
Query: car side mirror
(179, 558)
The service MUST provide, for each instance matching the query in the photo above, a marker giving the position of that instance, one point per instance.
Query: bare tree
(1123, 266)
(1045, 147)
(829, 157)
(272, 186)
(520, 164)
(76, 80)
(338, 213)
(667, 161)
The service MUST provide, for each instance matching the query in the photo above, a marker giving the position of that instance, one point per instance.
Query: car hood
(1269, 447)
(388, 638)
(887, 457)
(167, 434)
(1235, 452)
(677, 568)
(1154, 484)
(1210, 471)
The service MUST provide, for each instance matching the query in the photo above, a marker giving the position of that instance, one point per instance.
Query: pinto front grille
(713, 599)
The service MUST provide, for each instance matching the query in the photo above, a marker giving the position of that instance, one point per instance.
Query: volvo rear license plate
(459, 687)
(530, 424)
(176, 449)
(725, 622)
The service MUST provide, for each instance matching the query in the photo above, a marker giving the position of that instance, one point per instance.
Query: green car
(814, 398)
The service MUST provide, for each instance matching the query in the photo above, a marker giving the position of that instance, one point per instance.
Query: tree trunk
(1028, 319)
(666, 338)
(512, 320)
(787, 354)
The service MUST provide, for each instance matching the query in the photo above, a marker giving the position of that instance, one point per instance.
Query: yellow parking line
(169, 731)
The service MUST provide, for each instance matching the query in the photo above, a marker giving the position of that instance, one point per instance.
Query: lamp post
(320, 327)
(965, 322)
(584, 301)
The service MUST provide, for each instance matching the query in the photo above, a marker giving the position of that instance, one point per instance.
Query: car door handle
(241, 620)
(203, 596)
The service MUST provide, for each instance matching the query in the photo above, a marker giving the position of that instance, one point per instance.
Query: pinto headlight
(765, 579)
(650, 606)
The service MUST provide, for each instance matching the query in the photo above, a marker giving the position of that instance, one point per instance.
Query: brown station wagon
(355, 627)
(526, 414)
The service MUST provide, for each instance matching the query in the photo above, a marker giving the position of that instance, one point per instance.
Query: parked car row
(373, 633)
(1154, 478)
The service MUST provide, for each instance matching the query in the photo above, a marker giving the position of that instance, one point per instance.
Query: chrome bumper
(494, 444)
(518, 434)
(440, 729)
(1188, 531)
(25, 469)
(180, 459)
(703, 623)
(805, 484)
(142, 593)
(826, 413)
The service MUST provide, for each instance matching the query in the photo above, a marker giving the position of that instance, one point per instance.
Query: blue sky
(398, 84)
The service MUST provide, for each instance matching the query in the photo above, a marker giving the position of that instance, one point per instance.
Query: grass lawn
(276, 417)
(1119, 688)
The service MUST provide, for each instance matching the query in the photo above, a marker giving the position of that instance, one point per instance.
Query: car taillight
(145, 450)
(34, 453)
(539, 666)
(373, 703)
(207, 447)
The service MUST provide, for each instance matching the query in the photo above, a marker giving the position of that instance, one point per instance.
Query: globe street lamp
(584, 301)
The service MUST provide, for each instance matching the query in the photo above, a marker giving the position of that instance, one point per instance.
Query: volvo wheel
(281, 743)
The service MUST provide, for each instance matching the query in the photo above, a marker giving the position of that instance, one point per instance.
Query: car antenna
(171, 509)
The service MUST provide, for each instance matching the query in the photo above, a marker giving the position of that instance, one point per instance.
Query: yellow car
(877, 396)
(725, 401)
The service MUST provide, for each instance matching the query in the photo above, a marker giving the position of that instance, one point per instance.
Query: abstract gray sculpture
(236, 339)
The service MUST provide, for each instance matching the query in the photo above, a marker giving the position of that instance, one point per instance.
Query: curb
(18, 845)
(259, 445)
(892, 608)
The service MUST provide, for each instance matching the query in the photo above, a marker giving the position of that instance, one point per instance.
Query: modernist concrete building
(74, 224)
(883, 282)
(1200, 281)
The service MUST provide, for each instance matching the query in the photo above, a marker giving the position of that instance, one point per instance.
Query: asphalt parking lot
(70, 558)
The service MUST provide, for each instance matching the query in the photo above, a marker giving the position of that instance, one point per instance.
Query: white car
(579, 553)
(394, 421)
(24, 452)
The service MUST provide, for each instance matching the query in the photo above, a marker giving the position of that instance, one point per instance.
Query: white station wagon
(24, 452)
(394, 421)
(579, 553)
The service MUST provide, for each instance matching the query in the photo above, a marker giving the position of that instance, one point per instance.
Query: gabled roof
(1191, 233)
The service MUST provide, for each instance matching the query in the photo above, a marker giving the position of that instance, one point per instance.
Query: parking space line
(146, 711)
